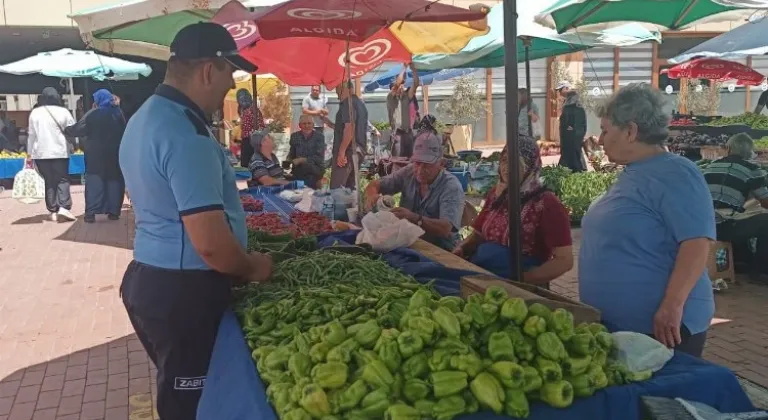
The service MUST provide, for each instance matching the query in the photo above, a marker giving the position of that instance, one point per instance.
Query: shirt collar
(175, 95)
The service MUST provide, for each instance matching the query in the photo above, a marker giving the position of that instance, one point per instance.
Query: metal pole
(529, 99)
(513, 159)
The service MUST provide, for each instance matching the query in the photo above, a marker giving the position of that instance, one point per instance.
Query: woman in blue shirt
(645, 243)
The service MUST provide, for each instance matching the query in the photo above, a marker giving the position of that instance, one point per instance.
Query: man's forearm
(349, 133)
(311, 112)
(216, 244)
(691, 261)
(437, 227)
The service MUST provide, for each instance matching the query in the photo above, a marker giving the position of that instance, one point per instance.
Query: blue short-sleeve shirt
(630, 239)
(174, 167)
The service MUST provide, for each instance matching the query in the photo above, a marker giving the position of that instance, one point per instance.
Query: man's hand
(261, 267)
(341, 160)
(459, 251)
(666, 324)
(403, 213)
(323, 112)
(370, 201)
(299, 161)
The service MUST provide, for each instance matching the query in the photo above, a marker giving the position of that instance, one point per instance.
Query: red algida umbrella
(715, 69)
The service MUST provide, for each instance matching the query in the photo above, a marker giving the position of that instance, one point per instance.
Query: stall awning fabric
(487, 51)
(592, 15)
(68, 63)
(747, 39)
(426, 77)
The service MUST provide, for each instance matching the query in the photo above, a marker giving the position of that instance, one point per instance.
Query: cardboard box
(530, 294)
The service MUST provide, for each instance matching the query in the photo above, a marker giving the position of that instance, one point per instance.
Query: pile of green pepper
(382, 346)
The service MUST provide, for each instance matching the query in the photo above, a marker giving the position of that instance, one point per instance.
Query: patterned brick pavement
(67, 350)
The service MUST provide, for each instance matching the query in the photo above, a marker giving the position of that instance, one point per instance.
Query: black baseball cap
(208, 40)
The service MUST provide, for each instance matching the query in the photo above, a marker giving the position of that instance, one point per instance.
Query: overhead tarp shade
(426, 78)
(68, 63)
(747, 39)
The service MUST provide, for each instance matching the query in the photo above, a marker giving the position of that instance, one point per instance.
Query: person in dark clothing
(573, 128)
(307, 153)
(104, 185)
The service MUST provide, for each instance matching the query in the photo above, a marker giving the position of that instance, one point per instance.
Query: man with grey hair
(732, 180)
(307, 153)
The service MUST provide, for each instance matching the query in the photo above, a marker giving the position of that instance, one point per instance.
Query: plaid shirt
(732, 180)
(312, 148)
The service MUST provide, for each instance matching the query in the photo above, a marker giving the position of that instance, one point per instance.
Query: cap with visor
(207, 40)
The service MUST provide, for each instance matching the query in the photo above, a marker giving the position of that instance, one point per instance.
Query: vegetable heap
(756, 121)
(311, 223)
(576, 190)
(373, 344)
(280, 247)
(302, 224)
(251, 204)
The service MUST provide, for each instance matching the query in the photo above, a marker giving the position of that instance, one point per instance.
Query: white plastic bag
(385, 232)
(293, 196)
(305, 204)
(639, 352)
(28, 186)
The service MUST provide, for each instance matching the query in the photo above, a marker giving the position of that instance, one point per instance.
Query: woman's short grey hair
(740, 145)
(642, 104)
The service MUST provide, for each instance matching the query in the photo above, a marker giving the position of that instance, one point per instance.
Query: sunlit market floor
(67, 350)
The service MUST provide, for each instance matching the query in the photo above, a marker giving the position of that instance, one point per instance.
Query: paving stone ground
(67, 350)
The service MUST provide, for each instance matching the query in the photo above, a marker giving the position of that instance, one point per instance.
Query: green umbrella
(487, 51)
(671, 14)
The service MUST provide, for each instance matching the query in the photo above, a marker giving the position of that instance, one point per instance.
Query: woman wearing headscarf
(264, 166)
(104, 186)
(48, 147)
(251, 120)
(546, 229)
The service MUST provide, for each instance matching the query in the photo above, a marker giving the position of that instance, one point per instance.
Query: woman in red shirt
(251, 120)
(546, 235)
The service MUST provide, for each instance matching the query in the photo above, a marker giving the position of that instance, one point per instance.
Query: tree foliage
(465, 106)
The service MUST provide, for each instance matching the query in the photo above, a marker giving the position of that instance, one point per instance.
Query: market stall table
(10, 167)
(233, 389)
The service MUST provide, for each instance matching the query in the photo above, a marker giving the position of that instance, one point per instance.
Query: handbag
(70, 140)
(28, 186)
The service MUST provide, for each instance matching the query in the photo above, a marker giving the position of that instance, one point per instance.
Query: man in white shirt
(49, 148)
(316, 105)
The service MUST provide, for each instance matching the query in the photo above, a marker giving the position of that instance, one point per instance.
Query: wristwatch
(420, 221)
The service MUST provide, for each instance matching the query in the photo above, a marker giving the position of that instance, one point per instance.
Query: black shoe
(113, 217)
(89, 218)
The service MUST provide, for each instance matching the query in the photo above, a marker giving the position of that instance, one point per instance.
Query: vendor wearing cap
(573, 128)
(431, 197)
(190, 245)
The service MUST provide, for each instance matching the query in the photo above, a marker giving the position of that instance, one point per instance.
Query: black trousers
(308, 173)
(570, 151)
(103, 195)
(692, 344)
(55, 173)
(737, 231)
(176, 315)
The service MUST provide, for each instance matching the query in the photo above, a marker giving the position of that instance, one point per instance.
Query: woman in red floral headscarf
(546, 234)
(251, 120)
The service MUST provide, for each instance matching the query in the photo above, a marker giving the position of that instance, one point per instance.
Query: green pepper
(368, 333)
(409, 343)
(401, 412)
(315, 334)
(334, 333)
(473, 406)
(424, 327)
(524, 349)
(375, 403)
(550, 371)
(582, 385)
(363, 357)
(596, 327)
(496, 295)
(352, 395)
(500, 347)
(421, 298)
(469, 363)
(296, 414)
(476, 298)
(561, 324)
(416, 366)
(558, 394)
(454, 345)
(638, 376)
(275, 376)
(302, 342)
(319, 352)
(387, 335)
(298, 388)
(576, 365)
(449, 407)
(514, 310)
(599, 378)
(475, 310)
(315, 401)
(488, 391)
(396, 390)
(605, 341)
(377, 375)
(510, 374)
(581, 344)
(440, 360)
(541, 311)
(599, 357)
(424, 408)
(447, 321)
(390, 355)
(531, 379)
(464, 320)
(330, 375)
(339, 354)
(582, 328)
(534, 326)
(485, 334)
(415, 389)
(515, 333)
(448, 382)
(550, 346)
(491, 312)
(280, 396)
(299, 365)
(277, 359)
(516, 404)
(454, 303)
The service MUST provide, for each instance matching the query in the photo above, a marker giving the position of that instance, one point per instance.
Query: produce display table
(10, 167)
(233, 389)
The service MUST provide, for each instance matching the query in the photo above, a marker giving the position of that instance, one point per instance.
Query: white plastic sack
(28, 186)
(639, 352)
(293, 196)
(385, 232)
(305, 204)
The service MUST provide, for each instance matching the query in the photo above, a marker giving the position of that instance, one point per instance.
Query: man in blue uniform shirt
(190, 245)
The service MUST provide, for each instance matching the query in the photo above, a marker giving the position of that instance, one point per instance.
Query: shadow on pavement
(114, 233)
(114, 380)
(31, 220)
